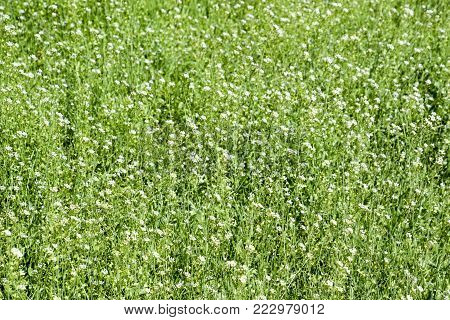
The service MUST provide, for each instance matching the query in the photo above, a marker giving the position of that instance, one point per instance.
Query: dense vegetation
(283, 149)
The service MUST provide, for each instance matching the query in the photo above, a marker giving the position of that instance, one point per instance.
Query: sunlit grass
(277, 149)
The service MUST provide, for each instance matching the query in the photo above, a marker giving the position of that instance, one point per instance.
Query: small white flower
(17, 252)
(22, 134)
(231, 264)
(145, 291)
(243, 279)
(250, 248)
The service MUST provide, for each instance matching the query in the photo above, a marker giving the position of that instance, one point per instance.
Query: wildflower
(17, 253)
(231, 264)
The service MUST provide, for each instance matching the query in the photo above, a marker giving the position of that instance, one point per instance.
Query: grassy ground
(287, 149)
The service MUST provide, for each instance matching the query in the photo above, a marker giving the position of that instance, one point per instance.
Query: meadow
(257, 149)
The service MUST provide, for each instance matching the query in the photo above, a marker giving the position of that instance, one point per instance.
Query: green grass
(285, 149)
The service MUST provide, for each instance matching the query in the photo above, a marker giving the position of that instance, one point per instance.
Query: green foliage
(277, 149)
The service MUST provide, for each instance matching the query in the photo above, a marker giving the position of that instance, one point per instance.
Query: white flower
(7, 233)
(22, 287)
(22, 134)
(231, 264)
(17, 252)
(250, 248)
(145, 291)
(243, 279)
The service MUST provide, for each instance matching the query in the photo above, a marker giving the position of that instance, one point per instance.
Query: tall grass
(277, 149)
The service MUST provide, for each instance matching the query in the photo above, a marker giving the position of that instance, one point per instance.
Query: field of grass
(279, 149)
